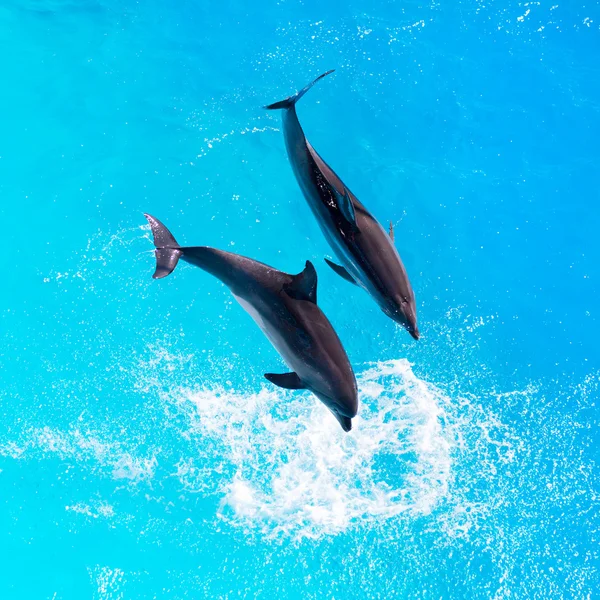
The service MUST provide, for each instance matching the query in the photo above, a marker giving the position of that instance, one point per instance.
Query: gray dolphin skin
(366, 251)
(285, 308)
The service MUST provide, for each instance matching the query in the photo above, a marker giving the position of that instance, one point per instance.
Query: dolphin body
(367, 252)
(285, 308)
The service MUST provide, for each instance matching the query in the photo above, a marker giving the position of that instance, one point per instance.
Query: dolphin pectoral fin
(304, 285)
(341, 272)
(391, 231)
(289, 381)
(346, 207)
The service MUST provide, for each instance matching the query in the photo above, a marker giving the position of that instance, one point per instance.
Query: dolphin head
(345, 422)
(403, 311)
(342, 401)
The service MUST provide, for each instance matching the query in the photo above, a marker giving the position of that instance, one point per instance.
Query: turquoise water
(143, 455)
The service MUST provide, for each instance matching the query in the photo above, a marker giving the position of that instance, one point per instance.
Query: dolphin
(285, 308)
(366, 251)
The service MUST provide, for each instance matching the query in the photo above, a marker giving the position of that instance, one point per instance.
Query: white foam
(285, 465)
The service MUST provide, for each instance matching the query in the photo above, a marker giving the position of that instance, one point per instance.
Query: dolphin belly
(272, 334)
(319, 359)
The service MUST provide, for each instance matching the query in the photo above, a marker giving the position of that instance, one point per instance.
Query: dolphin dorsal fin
(304, 285)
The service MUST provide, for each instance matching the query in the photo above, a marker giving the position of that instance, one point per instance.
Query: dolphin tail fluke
(167, 250)
(289, 102)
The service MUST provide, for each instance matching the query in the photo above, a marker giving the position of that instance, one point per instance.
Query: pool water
(143, 454)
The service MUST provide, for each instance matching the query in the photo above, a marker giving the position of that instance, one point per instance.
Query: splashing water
(294, 470)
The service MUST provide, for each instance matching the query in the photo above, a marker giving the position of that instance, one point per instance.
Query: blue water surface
(143, 455)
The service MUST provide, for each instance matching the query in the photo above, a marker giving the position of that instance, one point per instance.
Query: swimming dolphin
(367, 252)
(285, 308)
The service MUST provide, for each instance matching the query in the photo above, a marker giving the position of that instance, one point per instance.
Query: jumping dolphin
(285, 308)
(367, 252)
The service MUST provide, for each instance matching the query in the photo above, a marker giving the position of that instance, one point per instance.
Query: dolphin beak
(415, 333)
(345, 422)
